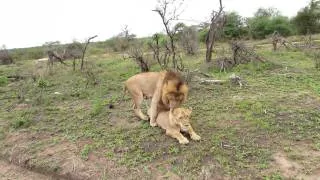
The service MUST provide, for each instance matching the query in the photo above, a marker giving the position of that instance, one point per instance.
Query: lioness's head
(181, 117)
(174, 90)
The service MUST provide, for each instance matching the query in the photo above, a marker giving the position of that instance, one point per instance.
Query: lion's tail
(124, 92)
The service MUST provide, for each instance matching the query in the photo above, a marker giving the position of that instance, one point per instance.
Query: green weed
(85, 152)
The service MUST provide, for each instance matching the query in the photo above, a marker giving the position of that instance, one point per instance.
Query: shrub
(5, 57)
(20, 122)
(189, 40)
(308, 19)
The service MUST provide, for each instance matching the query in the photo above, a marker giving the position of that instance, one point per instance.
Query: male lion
(166, 88)
(175, 120)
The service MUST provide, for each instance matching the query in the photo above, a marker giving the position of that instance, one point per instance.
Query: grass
(85, 152)
(240, 127)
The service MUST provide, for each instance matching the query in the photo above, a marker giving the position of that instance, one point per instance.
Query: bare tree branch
(167, 17)
(217, 23)
(85, 49)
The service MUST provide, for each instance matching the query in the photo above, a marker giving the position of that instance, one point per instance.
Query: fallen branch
(237, 80)
(16, 77)
(212, 81)
(233, 79)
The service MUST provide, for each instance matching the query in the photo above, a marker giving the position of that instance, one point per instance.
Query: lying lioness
(175, 120)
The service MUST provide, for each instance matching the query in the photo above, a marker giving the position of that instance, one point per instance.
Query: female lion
(175, 120)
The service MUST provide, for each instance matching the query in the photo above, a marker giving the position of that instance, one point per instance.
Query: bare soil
(10, 172)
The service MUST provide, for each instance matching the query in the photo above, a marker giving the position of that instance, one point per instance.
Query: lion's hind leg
(137, 101)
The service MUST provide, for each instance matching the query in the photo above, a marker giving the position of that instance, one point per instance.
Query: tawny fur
(177, 120)
(166, 88)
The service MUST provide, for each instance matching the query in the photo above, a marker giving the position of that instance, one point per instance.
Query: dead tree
(52, 49)
(136, 53)
(189, 40)
(240, 55)
(217, 22)
(73, 51)
(53, 56)
(161, 53)
(155, 46)
(85, 49)
(278, 39)
(167, 16)
(5, 57)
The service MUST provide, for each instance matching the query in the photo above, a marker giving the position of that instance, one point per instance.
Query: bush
(283, 25)
(28, 53)
(189, 40)
(203, 34)
(308, 19)
(235, 26)
(21, 122)
(5, 57)
(260, 27)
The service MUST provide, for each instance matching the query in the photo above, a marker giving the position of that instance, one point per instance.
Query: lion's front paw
(183, 141)
(149, 112)
(145, 118)
(153, 124)
(195, 137)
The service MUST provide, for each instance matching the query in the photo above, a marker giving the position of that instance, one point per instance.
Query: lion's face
(174, 93)
(174, 99)
(181, 117)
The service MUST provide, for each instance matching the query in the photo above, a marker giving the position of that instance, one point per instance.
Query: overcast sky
(27, 23)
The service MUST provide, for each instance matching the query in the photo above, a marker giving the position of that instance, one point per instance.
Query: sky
(27, 23)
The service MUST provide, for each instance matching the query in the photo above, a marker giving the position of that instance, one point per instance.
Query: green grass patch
(240, 127)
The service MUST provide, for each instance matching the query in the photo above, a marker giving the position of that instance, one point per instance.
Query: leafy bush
(262, 26)
(42, 83)
(20, 122)
(203, 34)
(235, 26)
(308, 19)
(28, 53)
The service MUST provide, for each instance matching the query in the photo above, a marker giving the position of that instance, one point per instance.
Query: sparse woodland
(254, 92)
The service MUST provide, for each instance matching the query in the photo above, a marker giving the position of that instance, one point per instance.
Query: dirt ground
(12, 172)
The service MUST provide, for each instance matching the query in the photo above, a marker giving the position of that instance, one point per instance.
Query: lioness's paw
(195, 137)
(184, 141)
(146, 118)
(153, 124)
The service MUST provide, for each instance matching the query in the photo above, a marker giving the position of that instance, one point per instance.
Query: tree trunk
(174, 61)
(84, 50)
(209, 46)
(74, 64)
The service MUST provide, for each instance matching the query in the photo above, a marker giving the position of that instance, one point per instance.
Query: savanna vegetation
(69, 122)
